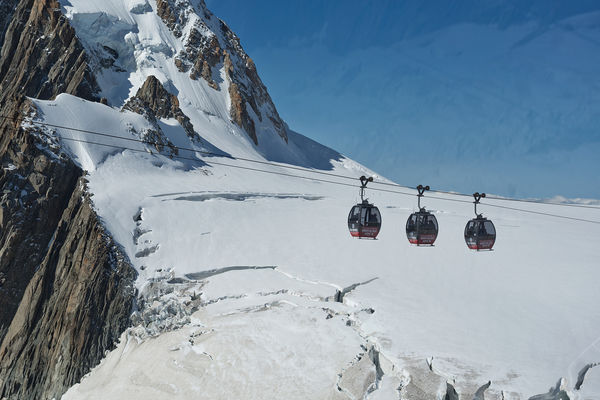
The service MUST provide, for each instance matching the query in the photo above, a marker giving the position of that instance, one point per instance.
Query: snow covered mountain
(195, 56)
(244, 281)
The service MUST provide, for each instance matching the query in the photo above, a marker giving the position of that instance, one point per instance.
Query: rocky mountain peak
(209, 46)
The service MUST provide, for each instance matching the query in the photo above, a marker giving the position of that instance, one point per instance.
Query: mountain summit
(192, 52)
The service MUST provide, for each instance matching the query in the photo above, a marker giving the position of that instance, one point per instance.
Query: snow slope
(522, 316)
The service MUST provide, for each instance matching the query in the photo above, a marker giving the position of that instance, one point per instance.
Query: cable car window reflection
(489, 227)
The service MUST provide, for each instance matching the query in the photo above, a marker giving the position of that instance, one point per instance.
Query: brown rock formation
(173, 13)
(41, 56)
(74, 308)
(7, 9)
(239, 114)
(35, 192)
(242, 71)
(154, 101)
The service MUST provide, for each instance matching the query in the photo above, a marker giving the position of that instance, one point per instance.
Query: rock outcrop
(65, 288)
(153, 101)
(209, 45)
(7, 7)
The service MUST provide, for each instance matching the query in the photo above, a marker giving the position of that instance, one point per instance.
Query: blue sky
(495, 96)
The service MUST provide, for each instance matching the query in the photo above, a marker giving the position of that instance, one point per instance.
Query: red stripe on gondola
(366, 233)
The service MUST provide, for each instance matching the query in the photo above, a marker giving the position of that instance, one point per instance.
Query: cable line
(286, 166)
(318, 179)
(543, 213)
(209, 153)
(204, 152)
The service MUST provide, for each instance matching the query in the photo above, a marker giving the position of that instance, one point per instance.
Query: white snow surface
(522, 316)
(239, 269)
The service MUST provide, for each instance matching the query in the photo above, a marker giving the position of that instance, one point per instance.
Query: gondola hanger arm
(421, 189)
(363, 185)
(478, 196)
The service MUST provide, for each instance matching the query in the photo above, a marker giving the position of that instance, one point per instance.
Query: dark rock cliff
(36, 186)
(41, 56)
(65, 288)
(7, 8)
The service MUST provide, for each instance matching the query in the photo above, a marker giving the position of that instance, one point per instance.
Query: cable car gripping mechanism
(478, 196)
(363, 185)
(421, 189)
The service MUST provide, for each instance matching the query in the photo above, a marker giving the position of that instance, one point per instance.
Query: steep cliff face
(74, 308)
(6, 11)
(65, 289)
(36, 186)
(41, 56)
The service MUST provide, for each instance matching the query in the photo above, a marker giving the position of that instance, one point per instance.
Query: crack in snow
(167, 303)
(582, 373)
(339, 296)
(217, 271)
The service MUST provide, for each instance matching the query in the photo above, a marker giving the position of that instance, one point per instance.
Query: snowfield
(240, 271)
(251, 287)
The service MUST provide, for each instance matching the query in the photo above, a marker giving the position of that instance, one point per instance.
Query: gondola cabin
(422, 228)
(480, 234)
(364, 221)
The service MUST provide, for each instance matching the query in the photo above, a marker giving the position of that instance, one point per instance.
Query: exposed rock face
(210, 44)
(75, 307)
(41, 56)
(7, 7)
(65, 288)
(239, 114)
(174, 17)
(36, 187)
(154, 101)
